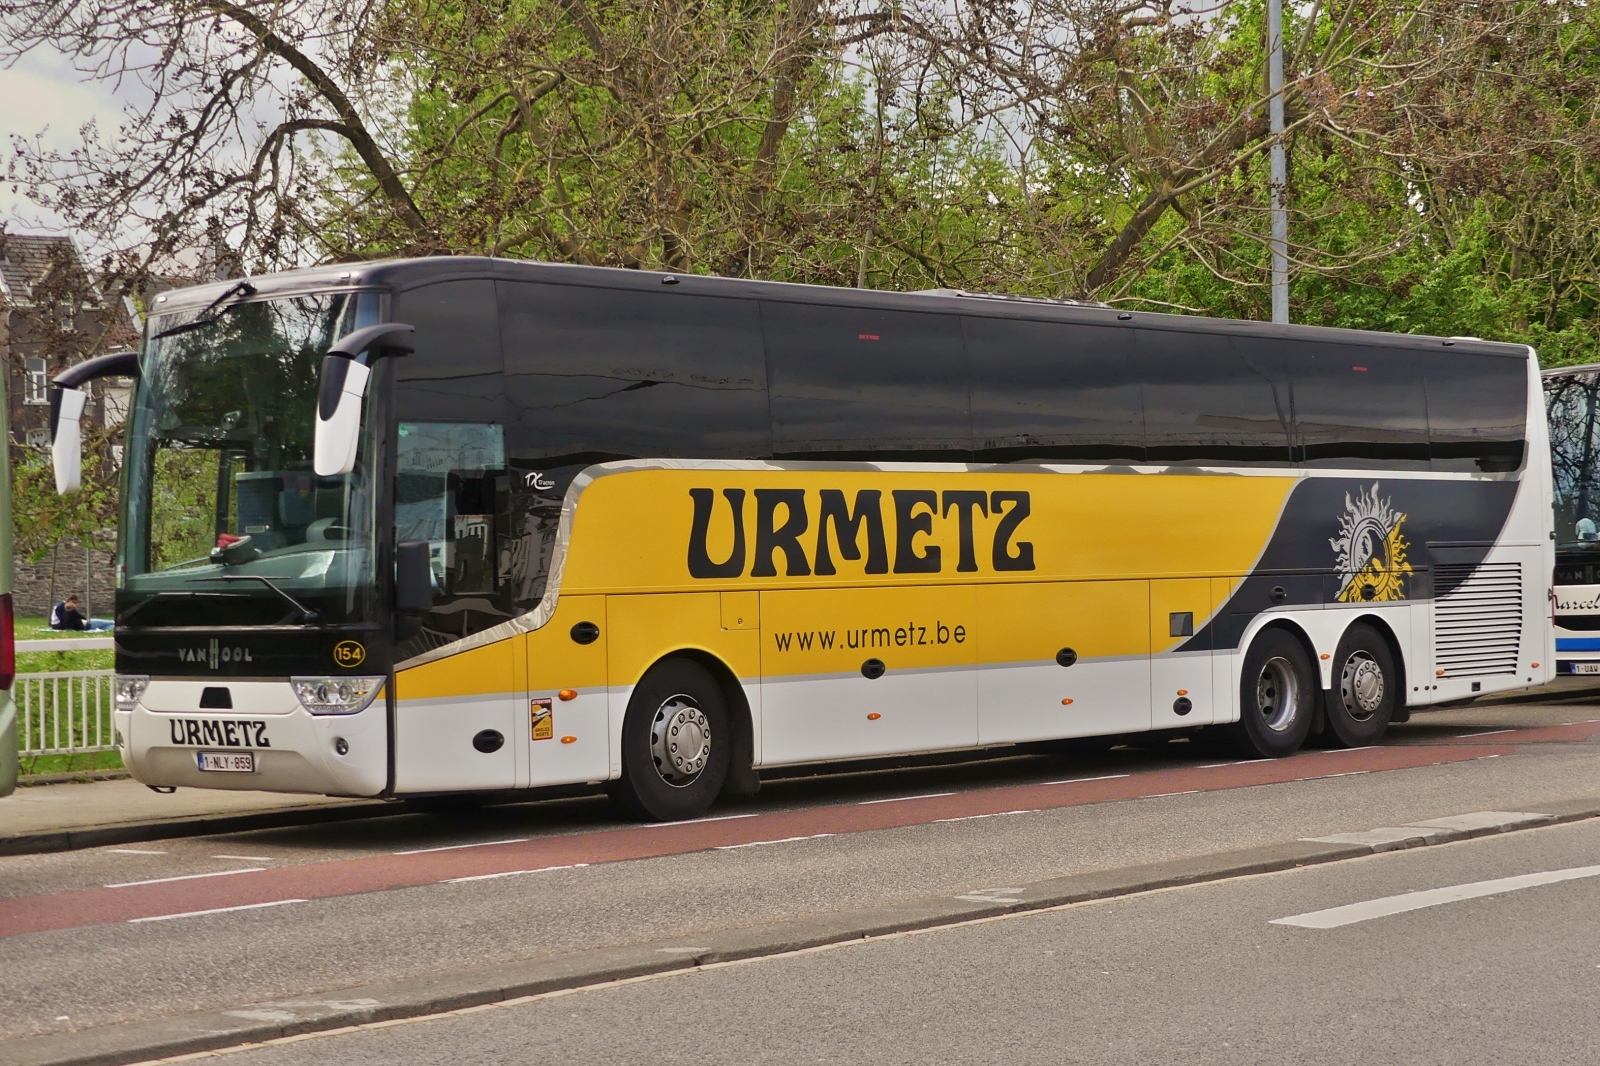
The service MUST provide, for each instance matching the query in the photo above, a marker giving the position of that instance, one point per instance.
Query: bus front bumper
(265, 742)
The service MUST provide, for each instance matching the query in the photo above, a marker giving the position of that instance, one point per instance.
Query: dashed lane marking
(214, 910)
(904, 799)
(759, 843)
(184, 877)
(1335, 917)
(458, 847)
(513, 873)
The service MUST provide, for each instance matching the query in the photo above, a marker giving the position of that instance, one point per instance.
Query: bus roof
(402, 274)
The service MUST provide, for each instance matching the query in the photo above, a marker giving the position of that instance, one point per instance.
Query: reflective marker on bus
(698, 529)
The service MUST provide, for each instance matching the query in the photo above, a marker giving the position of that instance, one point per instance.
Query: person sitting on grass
(65, 615)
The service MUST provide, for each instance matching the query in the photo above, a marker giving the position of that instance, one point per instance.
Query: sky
(42, 93)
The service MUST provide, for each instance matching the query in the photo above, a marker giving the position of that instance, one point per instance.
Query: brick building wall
(36, 587)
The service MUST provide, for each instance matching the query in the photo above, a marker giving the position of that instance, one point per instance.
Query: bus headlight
(129, 688)
(336, 695)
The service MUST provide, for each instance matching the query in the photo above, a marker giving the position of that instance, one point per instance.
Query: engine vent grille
(1477, 618)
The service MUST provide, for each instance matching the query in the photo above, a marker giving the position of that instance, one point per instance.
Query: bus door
(1063, 659)
(1181, 688)
(867, 671)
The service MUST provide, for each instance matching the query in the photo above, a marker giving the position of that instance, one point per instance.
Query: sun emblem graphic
(1370, 550)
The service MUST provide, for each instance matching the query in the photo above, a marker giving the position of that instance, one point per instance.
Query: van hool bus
(449, 525)
(1570, 394)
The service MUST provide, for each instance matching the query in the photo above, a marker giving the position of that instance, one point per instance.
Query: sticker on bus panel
(544, 722)
(227, 762)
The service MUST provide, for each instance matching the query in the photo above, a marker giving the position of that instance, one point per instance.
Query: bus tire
(1276, 690)
(1366, 685)
(676, 743)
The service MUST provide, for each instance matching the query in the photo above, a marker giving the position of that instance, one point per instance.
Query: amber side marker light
(1325, 655)
(569, 740)
(1535, 666)
(1183, 692)
(1438, 673)
(568, 694)
(1066, 701)
(874, 716)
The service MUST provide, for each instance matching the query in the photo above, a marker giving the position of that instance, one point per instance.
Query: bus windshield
(1575, 458)
(224, 521)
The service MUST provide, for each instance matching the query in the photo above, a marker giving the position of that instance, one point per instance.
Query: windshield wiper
(165, 594)
(206, 317)
(306, 613)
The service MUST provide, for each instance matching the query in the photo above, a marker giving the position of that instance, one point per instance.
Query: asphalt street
(1194, 975)
(385, 900)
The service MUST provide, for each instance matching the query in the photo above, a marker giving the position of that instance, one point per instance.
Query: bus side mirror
(66, 450)
(343, 386)
(67, 402)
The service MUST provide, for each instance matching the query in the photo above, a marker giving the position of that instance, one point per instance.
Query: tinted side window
(1048, 390)
(864, 383)
(596, 374)
(1477, 410)
(1208, 399)
(454, 374)
(1357, 406)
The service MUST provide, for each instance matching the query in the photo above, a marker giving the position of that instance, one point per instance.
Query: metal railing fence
(64, 713)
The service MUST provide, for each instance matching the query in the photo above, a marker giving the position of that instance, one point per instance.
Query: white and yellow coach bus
(453, 525)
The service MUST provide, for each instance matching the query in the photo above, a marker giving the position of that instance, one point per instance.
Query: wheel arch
(743, 780)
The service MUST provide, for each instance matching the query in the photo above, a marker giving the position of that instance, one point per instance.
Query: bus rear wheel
(1365, 686)
(1276, 689)
(676, 744)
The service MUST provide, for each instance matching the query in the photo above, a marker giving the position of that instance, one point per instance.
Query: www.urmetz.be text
(909, 636)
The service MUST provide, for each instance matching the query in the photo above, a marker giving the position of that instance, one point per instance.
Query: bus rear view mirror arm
(344, 384)
(67, 402)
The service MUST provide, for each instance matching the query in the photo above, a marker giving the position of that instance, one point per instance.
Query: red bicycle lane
(154, 899)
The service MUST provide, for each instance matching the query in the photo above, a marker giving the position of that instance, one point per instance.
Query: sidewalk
(65, 817)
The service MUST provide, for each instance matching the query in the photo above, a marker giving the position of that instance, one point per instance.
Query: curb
(71, 777)
(95, 836)
(130, 1042)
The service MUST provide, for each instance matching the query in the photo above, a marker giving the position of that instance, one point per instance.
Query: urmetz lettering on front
(232, 733)
(784, 538)
(700, 564)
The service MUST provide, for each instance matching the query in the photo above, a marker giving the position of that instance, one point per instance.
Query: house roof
(27, 259)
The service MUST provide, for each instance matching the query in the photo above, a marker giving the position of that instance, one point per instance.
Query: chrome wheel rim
(1277, 694)
(1361, 686)
(680, 740)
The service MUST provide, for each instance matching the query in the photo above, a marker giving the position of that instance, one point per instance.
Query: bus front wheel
(676, 743)
(1275, 697)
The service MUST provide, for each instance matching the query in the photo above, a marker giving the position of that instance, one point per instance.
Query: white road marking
(245, 858)
(997, 814)
(697, 821)
(1163, 795)
(1077, 780)
(513, 873)
(1334, 917)
(905, 799)
(1490, 733)
(783, 840)
(185, 877)
(133, 851)
(457, 847)
(1347, 773)
(215, 910)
